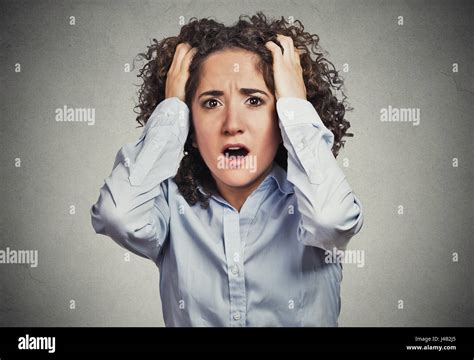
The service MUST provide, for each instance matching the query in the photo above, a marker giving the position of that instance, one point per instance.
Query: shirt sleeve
(132, 208)
(330, 211)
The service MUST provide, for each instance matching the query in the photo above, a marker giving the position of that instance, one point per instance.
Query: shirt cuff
(294, 111)
(169, 112)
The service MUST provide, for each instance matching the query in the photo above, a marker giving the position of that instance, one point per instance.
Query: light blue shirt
(264, 266)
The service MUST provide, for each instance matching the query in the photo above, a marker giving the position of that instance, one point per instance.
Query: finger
(287, 44)
(180, 52)
(188, 58)
(298, 53)
(275, 50)
(190, 54)
(293, 52)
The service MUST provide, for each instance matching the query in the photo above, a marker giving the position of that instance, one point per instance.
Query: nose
(233, 123)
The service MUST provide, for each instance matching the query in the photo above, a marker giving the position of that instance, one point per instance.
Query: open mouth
(235, 151)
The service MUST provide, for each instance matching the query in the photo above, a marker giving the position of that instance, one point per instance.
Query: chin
(237, 177)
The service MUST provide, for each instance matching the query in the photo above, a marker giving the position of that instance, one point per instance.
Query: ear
(193, 139)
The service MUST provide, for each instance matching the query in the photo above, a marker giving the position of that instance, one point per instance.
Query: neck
(237, 195)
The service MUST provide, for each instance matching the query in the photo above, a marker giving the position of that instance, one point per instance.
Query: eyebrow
(244, 91)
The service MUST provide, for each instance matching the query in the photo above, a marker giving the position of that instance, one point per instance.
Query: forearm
(132, 208)
(330, 212)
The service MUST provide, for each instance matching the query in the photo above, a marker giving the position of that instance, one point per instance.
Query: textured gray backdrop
(82, 279)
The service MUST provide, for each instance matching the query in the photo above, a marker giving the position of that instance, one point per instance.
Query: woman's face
(232, 105)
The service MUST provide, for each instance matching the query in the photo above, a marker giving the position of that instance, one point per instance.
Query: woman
(233, 189)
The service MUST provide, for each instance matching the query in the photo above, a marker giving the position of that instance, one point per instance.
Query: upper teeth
(233, 148)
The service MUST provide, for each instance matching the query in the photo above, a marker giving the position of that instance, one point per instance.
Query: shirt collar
(277, 174)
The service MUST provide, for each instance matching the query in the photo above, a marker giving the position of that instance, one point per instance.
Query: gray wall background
(408, 257)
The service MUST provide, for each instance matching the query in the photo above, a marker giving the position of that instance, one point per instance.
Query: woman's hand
(287, 71)
(178, 73)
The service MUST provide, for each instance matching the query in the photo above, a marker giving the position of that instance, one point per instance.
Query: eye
(258, 99)
(213, 101)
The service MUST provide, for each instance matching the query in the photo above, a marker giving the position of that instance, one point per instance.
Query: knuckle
(181, 46)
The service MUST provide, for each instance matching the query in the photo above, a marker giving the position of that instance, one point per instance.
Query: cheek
(198, 124)
(270, 135)
(205, 134)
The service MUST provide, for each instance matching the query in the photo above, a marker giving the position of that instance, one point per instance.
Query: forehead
(231, 64)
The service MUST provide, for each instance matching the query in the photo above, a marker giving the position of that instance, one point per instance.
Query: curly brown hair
(250, 33)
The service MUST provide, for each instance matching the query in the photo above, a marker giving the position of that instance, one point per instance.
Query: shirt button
(236, 315)
(301, 145)
(235, 269)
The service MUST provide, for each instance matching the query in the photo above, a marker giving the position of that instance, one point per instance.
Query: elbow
(107, 219)
(347, 223)
(125, 229)
(97, 219)
(333, 229)
(337, 229)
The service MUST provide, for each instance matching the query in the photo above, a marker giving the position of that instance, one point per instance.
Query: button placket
(235, 269)
(232, 242)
